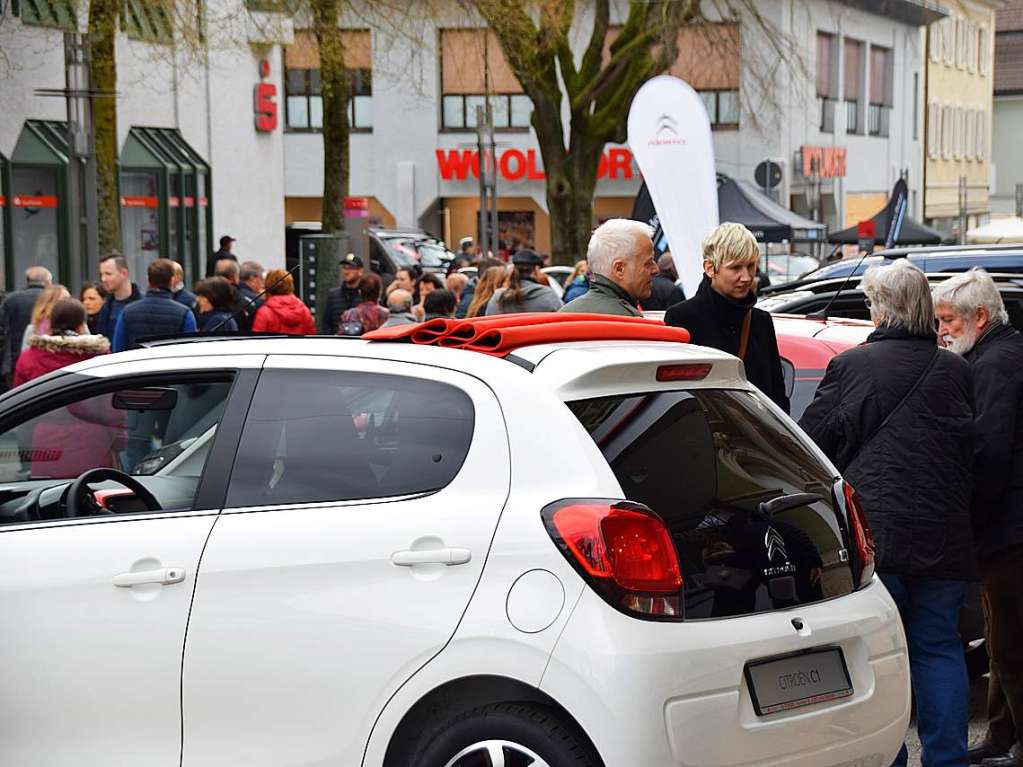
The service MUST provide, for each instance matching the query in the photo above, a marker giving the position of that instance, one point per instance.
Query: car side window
(316, 435)
(1015, 310)
(160, 434)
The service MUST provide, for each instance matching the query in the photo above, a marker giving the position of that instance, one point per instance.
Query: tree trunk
(103, 77)
(334, 91)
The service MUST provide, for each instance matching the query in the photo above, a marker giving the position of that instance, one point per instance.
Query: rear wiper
(786, 502)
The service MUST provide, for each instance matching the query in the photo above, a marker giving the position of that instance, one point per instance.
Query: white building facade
(841, 110)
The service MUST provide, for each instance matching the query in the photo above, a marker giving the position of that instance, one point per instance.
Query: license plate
(781, 684)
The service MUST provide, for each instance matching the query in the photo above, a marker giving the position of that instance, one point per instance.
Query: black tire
(524, 727)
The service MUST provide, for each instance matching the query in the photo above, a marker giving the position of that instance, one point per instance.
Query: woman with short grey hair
(895, 415)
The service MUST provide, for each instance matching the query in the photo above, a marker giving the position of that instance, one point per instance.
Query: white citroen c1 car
(283, 552)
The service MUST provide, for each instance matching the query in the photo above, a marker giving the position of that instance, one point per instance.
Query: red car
(806, 346)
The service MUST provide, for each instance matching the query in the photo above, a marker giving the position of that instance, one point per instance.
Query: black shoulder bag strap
(896, 409)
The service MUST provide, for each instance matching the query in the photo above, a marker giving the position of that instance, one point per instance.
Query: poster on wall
(516, 230)
(669, 134)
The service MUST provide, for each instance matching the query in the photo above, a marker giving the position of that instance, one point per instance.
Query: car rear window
(319, 435)
(705, 460)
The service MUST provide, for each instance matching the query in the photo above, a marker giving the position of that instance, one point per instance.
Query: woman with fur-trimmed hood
(66, 343)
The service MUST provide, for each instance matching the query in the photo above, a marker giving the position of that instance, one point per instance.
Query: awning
(742, 201)
(160, 148)
(42, 142)
(1000, 230)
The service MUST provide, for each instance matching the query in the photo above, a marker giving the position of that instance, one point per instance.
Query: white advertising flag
(669, 134)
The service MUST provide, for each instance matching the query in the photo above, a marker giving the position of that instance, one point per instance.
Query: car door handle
(452, 556)
(165, 576)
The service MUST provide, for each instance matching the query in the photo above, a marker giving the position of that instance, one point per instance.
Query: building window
(879, 113)
(933, 130)
(962, 44)
(722, 109)
(947, 132)
(958, 130)
(971, 46)
(303, 100)
(984, 49)
(948, 40)
(49, 13)
(508, 111)
(934, 42)
(980, 137)
(852, 91)
(969, 139)
(709, 59)
(148, 20)
(827, 80)
(472, 66)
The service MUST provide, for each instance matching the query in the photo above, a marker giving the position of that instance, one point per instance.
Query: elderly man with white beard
(972, 322)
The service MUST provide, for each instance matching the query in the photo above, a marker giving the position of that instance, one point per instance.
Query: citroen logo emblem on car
(775, 545)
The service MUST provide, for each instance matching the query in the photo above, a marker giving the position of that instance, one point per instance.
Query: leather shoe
(984, 750)
(1012, 759)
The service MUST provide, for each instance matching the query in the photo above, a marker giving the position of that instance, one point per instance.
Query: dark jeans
(1002, 595)
(941, 685)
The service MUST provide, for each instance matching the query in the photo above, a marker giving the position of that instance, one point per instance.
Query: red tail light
(623, 550)
(863, 539)
(686, 372)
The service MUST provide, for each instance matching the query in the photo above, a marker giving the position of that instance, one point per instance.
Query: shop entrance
(38, 201)
(165, 210)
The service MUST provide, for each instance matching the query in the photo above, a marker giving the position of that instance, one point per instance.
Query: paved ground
(978, 722)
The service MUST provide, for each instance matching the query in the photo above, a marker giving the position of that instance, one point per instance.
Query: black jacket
(716, 321)
(15, 316)
(247, 303)
(211, 262)
(339, 300)
(111, 310)
(997, 364)
(663, 293)
(915, 477)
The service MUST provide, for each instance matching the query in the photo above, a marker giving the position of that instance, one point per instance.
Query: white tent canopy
(998, 230)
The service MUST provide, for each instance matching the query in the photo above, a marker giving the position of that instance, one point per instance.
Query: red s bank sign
(516, 165)
(264, 99)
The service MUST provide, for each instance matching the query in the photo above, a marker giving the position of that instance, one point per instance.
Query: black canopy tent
(742, 202)
(912, 233)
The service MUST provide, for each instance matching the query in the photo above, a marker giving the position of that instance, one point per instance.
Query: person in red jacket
(283, 311)
(82, 435)
(67, 342)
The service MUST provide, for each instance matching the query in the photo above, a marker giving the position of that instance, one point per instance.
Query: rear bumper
(675, 694)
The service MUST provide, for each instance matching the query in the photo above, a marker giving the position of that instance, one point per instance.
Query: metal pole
(482, 154)
(495, 237)
(1019, 200)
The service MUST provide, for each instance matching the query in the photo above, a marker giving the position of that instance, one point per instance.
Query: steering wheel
(82, 503)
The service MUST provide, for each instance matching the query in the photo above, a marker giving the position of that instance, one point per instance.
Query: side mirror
(374, 264)
(149, 398)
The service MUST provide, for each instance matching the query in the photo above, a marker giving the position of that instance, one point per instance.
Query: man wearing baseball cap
(523, 291)
(225, 252)
(344, 297)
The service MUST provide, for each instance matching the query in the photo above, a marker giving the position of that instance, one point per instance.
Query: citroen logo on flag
(775, 545)
(667, 124)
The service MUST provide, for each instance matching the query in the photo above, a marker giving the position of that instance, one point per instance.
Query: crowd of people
(43, 327)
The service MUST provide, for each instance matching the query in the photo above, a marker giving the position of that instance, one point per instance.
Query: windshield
(705, 461)
(407, 251)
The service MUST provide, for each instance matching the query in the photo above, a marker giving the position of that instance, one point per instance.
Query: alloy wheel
(497, 753)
